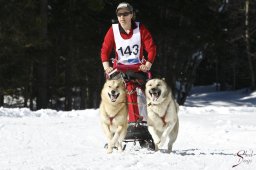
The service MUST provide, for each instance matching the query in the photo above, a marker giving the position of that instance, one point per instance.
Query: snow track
(210, 137)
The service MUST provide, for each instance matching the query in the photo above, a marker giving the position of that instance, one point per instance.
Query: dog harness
(128, 50)
(111, 119)
(163, 117)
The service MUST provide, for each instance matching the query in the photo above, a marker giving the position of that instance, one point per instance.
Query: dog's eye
(117, 87)
(158, 85)
(150, 85)
(109, 86)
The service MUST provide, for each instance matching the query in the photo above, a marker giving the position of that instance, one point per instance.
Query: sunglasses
(123, 14)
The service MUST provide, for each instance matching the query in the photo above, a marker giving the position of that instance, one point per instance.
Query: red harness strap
(111, 119)
(133, 110)
(163, 119)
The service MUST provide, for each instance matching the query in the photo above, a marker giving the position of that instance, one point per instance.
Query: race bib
(128, 50)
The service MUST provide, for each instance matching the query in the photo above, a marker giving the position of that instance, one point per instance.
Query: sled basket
(137, 132)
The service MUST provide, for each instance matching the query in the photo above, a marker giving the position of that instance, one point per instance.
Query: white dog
(114, 113)
(163, 122)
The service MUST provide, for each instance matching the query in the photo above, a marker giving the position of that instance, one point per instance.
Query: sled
(137, 127)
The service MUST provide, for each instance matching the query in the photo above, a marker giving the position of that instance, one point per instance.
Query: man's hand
(106, 67)
(108, 70)
(145, 67)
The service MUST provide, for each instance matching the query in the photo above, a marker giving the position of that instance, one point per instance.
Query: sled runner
(135, 81)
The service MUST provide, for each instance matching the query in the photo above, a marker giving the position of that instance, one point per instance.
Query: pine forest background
(50, 49)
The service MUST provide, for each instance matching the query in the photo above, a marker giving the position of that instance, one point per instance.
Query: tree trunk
(68, 87)
(31, 86)
(247, 43)
(1, 99)
(69, 60)
(25, 97)
(42, 90)
(82, 96)
(234, 76)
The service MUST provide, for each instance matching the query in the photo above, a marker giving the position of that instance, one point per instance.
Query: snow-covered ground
(217, 131)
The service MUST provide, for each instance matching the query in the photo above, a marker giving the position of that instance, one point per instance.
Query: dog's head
(114, 91)
(156, 90)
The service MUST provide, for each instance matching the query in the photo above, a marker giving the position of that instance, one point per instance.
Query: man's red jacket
(147, 43)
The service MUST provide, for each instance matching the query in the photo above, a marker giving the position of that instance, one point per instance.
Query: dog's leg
(170, 146)
(116, 136)
(109, 136)
(173, 136)
(167, 131)
(121, 138)
(173, 119)
(154, 135)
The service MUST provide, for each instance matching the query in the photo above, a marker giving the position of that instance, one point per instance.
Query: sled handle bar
(135, 68)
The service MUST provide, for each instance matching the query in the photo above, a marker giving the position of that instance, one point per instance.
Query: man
(128, 38)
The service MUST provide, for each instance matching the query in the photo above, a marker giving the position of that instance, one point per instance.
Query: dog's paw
(156, 141)
(163, 138)
(156, 147)
(119, 147)
(113, 143)
(165, 151)
(109, 150)
(120, 150)
(161, 144)
(162, 141)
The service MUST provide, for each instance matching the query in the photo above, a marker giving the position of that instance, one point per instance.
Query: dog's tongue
(154, 97)
(113, 98)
